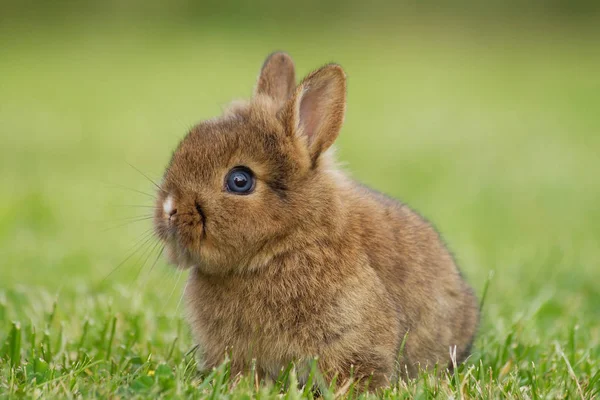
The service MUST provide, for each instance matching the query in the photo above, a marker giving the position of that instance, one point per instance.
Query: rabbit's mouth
(184, 240)
(181, 225)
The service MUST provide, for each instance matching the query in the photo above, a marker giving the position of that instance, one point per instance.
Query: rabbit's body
(350, 305)
(305, 262)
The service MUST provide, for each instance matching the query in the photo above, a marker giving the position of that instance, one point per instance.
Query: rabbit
(290, 260)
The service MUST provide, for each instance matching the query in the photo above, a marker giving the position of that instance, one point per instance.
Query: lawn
(493, 135)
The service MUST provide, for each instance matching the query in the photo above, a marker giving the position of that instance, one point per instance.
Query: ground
(494, 137)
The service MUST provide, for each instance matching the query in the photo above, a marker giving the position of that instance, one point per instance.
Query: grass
(492, 135)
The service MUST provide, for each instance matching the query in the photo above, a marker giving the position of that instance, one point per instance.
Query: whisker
(116, 185)
(162, 249)
(172, 291)
(146, 238)
(156, 259)
(182, 293)
(135, 206)
(152, 248)
(146, 251)
(147, 177)
(144, 235)
(134, 218)
(127, 223)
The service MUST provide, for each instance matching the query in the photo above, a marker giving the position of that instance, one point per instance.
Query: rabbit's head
(240, 187)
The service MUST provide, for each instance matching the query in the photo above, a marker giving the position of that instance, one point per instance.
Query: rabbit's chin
(179, 256)
(182, 258)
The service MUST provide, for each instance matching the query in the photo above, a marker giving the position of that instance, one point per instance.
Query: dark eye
(240, 180)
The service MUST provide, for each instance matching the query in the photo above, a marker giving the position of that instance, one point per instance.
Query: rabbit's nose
(169, 207)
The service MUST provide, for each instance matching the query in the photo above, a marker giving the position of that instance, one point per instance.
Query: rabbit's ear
(316, 109)
(277, 77)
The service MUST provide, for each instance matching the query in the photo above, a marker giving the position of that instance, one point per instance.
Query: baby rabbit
(290, 259)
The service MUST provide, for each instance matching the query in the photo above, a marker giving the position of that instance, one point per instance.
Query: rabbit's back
(435, 306)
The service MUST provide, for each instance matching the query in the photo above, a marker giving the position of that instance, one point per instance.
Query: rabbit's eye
(240, 180)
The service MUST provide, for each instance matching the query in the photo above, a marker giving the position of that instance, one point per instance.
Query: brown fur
(311, 263)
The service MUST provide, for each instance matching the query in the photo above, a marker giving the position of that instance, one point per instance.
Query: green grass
(494, 136)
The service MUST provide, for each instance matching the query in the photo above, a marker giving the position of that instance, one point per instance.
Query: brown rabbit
(291, 259)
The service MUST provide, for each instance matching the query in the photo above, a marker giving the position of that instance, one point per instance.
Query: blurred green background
(484, 116)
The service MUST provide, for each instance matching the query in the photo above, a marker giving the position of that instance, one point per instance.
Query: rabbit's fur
(310, 263)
